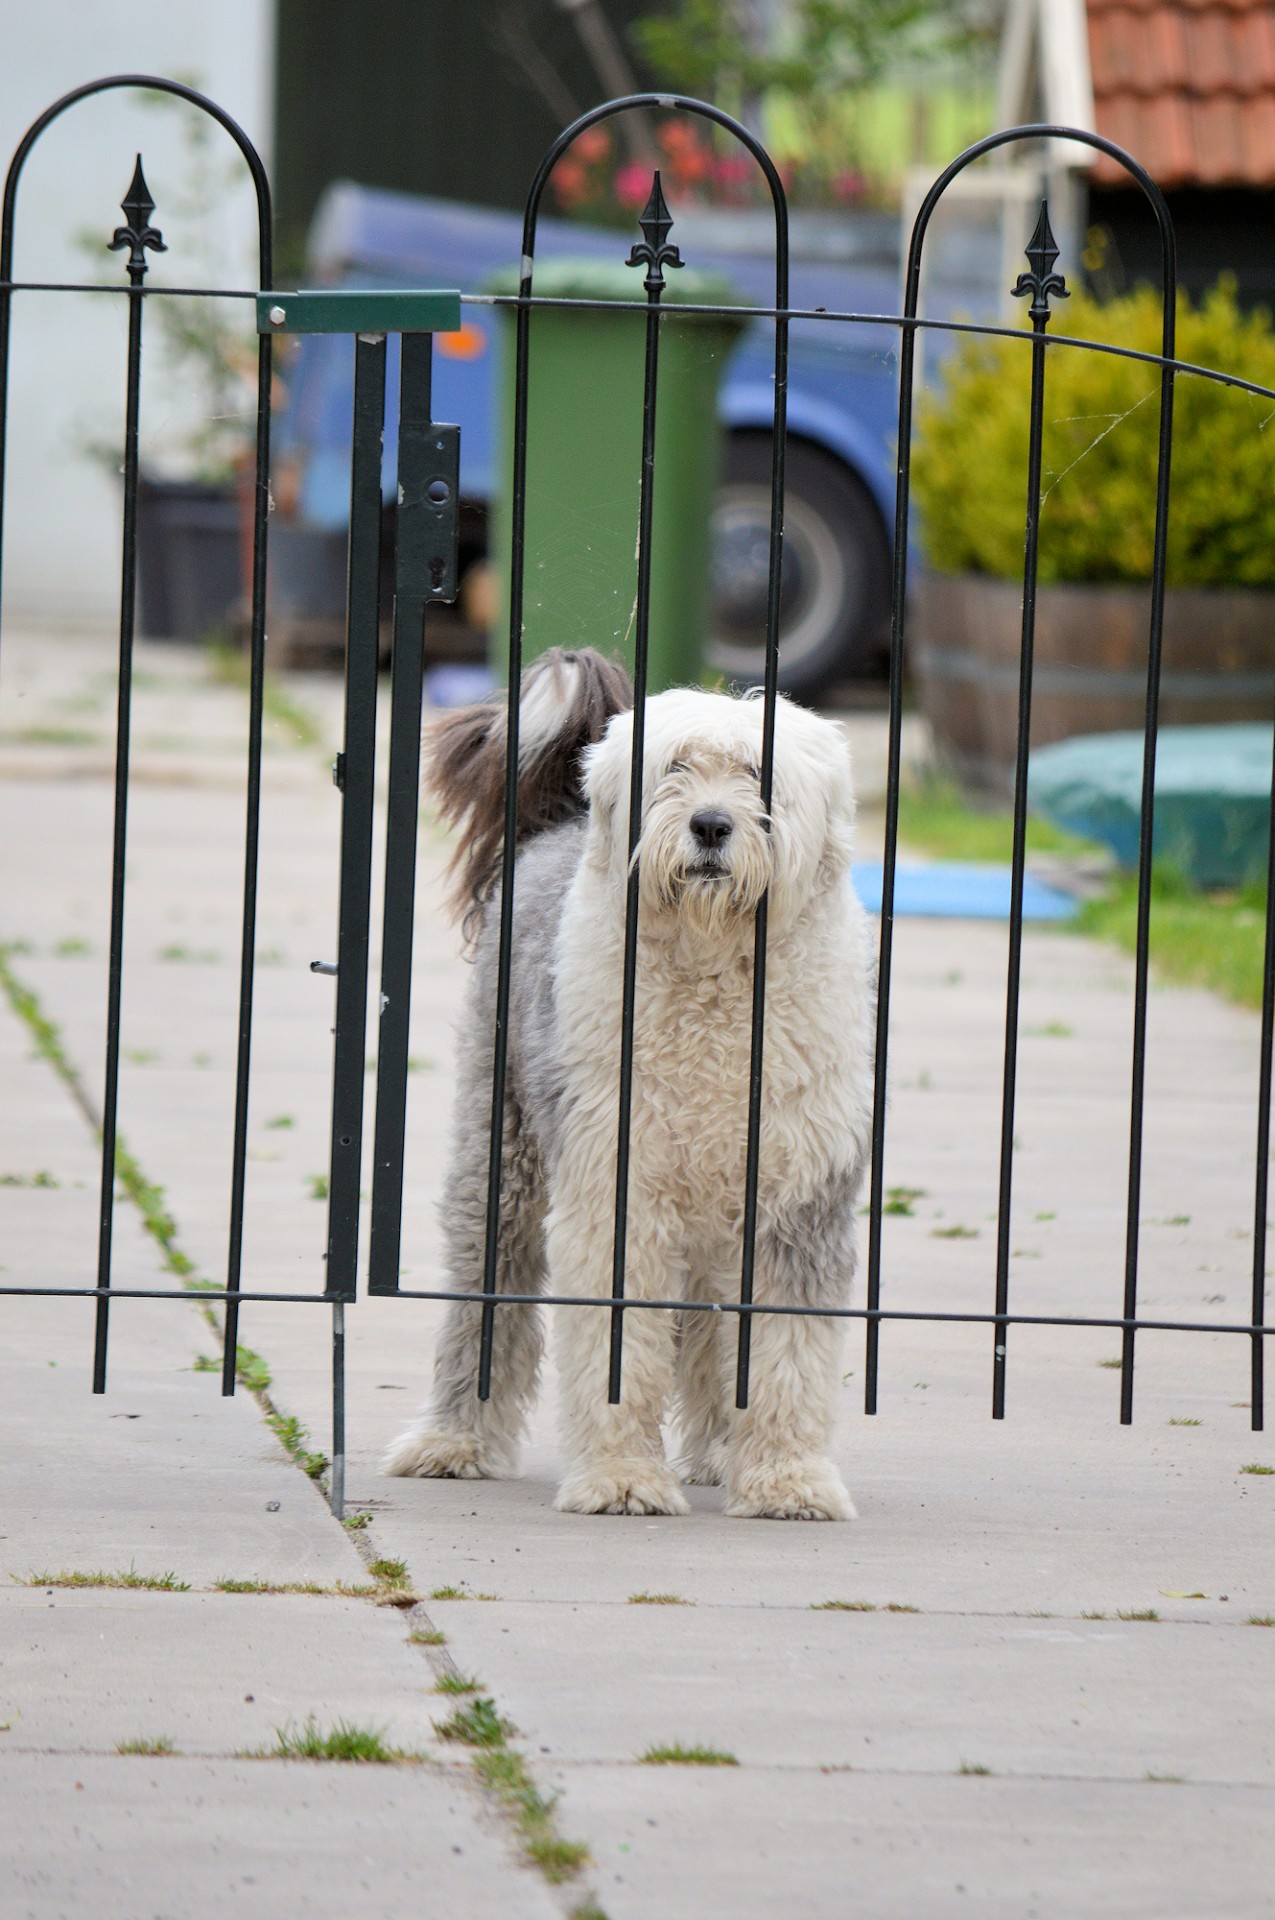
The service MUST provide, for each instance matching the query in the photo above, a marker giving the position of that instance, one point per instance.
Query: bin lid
(582, 278)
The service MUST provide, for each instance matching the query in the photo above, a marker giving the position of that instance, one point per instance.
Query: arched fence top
(153, 83)
(1038, 132)
(670, 103)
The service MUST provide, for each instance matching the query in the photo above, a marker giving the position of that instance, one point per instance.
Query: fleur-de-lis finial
(139, 234)
(655, 253)
(1042, 251)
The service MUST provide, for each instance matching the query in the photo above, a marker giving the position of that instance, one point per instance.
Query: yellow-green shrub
(1099, 451)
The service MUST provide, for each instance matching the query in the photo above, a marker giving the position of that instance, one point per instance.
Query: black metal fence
(425, 574)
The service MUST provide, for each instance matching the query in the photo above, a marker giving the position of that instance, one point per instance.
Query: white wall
(62, 512)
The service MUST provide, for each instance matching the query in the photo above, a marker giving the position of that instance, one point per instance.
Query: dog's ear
(606, 780)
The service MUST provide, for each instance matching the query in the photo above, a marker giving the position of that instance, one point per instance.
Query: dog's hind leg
(614, 1454)
(459, 1436)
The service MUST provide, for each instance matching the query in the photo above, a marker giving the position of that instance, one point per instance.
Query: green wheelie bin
(584, 461)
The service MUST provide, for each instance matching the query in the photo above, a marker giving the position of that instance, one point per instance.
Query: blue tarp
(1212, 797)
(949, 890)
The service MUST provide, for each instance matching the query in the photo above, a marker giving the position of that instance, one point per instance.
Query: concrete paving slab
(881, 1692)
(753, 1843)
(172, 1839)
(215, 1673)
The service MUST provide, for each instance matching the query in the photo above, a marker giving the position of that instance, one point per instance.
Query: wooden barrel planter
(1090, 665)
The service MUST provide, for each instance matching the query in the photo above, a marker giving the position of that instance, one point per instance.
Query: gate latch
(434, 515)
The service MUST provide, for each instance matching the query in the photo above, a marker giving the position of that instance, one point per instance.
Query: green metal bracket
(359, 310)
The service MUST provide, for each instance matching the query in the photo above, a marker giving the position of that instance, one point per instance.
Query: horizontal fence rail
(425, 563)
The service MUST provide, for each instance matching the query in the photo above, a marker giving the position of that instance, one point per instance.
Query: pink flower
(633, 185)
(731, 172)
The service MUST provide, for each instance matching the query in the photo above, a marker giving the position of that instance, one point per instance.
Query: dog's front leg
(614, 1454)
(777, 1457)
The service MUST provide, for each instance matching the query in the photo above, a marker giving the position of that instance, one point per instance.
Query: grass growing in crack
(42, 1179)
(899, 1606)
(1137, 1613)
(954, 1233)
(317, 1184)
(1166, 1779)
(971, 1766)
(151, 1747)
(292, 1436)
(362, 1745)
(457, 1683)
(844, 1606)
(898, 1200)
(427, 1637)
(1255, 1466)
(658, 1600)
(251, 1370)
(344, 1589)
(506, 1774)
(1186, 1423)
(458, 1593)
(152, 1582)
(477, 1725)
(356, 1522)
(391, 1573)
(676, 1755)
(503, 1770)
(1261, 1620)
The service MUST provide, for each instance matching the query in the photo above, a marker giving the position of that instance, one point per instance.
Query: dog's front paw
(621, 1486)
(426, 1455)
(791, 1490)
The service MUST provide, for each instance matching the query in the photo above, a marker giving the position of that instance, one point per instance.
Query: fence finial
(1042, 251)
(655, 252)
(139, 233)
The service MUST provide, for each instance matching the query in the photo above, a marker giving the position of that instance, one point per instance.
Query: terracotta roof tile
(1188, 87)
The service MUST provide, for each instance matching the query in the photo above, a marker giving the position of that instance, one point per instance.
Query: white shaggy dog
(707, 855)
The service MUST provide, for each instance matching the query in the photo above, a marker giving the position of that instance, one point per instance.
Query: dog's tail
(566, 700)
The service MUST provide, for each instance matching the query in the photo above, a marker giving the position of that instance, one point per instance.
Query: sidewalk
(970, 1726)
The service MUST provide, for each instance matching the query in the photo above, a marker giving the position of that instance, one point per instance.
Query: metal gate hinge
(323, 966)
(338, 772)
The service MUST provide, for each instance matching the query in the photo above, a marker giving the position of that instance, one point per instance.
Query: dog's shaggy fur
(706, 856)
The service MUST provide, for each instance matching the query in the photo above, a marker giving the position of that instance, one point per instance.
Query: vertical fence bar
(425, 569)
(505, 949)
(774, 586)
(898, 611)
(655, 253)
(252, 837)
(1159, 565)
(336, 1481)
(1257, 1356)
(358, 767)
(138, 236)
(1041, 282)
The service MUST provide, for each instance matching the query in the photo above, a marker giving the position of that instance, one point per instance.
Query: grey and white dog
(707, 854)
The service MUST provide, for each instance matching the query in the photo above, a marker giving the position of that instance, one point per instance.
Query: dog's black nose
(710, 826)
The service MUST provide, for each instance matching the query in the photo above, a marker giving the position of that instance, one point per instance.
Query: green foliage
(676, 1755)
(477, 1725)
(815, 69)
(152, 1582)
(1100, 448)
(152, 1748)
(344, 1741)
